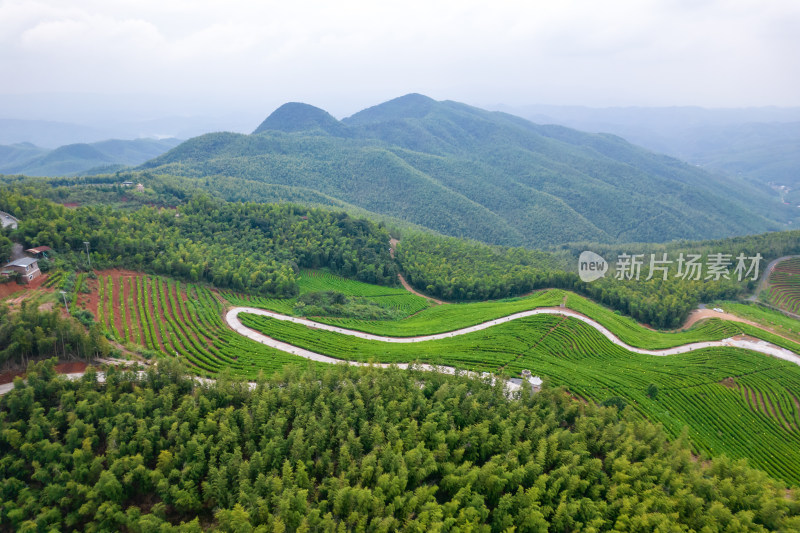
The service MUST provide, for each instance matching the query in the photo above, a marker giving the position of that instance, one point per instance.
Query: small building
(127, 184)
(535, 381)
(26, 267)
(39, 252)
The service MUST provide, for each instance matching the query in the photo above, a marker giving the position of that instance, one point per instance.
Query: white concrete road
(232, 318)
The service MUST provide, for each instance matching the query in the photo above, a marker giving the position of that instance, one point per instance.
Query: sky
(124, 59)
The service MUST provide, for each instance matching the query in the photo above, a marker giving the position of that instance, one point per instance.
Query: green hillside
(489, 176)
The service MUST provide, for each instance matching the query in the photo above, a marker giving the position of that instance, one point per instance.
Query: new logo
(591, 266)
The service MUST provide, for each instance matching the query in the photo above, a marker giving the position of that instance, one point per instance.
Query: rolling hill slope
(485, 175)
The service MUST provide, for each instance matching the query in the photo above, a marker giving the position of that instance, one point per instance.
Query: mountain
(20, 154)
(47, 133)
(490, 176)
(296, 116)
(761, 144)
(72, 159)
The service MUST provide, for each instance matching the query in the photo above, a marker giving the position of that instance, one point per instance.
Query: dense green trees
(252, 247)
(455, 269)
(31, 334)
(345, 448)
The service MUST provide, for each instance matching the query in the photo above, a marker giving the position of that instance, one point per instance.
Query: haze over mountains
(469, 172)
(762, 144)
(80, 158)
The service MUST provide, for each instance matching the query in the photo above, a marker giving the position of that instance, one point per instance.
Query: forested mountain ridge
(485, 175)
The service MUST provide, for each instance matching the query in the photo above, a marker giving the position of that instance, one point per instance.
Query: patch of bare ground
(66, 367)
(91, 300)
(7, 289)
(730, 383)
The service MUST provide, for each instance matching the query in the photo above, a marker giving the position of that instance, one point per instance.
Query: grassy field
(317, 281)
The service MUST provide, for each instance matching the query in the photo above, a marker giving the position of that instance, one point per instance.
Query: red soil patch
(71, 367)
(118, 272)
(91, 299)
(71, 204)
(7, 289)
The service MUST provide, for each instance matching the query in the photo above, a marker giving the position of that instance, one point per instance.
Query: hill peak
(413, 105)
(297, 116)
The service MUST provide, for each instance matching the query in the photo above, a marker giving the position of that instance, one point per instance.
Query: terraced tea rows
(734, 401)
(783, 289)
(172, 318)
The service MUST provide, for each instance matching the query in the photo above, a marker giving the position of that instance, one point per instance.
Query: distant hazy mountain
(757, 143)
(72, 159)
(52, 134)
(486, 175)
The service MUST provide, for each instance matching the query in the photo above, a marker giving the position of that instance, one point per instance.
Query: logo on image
(591, 266)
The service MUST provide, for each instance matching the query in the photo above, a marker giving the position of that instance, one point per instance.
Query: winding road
(512, 385)
(232, 318)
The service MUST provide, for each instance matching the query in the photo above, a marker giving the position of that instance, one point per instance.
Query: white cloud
(349, 54)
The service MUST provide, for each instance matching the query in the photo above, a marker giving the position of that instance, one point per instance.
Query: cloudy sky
(151, 57)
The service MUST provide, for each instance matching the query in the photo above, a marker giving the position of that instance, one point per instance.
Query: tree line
(457, 269)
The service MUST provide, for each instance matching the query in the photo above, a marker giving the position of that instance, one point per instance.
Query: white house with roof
(26, 267)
